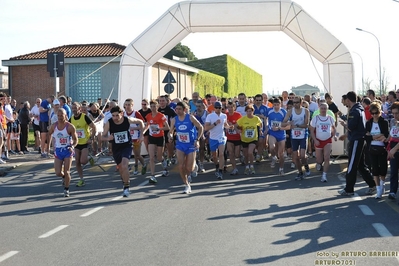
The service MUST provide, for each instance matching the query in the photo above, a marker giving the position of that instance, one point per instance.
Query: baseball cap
(217, 104)
(56, 101)
(322, 99)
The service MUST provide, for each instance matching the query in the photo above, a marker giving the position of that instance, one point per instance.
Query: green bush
(205, 82)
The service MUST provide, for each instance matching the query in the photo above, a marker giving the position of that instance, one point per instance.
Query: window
(84, 84)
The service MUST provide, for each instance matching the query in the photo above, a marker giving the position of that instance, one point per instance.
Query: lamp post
(379, 56)
(361, 59)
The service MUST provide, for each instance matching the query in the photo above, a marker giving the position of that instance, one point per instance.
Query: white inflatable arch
(232, 16)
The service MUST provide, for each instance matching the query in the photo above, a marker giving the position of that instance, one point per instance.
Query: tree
(181, 51)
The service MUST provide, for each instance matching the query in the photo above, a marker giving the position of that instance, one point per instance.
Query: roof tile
(77, 50)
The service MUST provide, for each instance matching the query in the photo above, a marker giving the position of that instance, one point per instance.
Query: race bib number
(121, 137)
(231, 131)
(63, 141)
(183, 137)
(298, 133)
(276, 123)
(249, 133)
(394, 132)
(154, 129)
(80, 133)
(324, 128)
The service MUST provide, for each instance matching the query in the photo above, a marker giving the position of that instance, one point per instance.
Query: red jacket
(367, 113)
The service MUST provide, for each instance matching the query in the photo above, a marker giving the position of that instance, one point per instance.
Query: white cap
(56, 101)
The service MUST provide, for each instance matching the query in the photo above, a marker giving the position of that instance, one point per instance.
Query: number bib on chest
(276, 123)
(298, 133)
(154, 129)
(231, 131)
(63, 141)
(121, 137)
(183, 137)
(324, 127)
(80, 133)
(394, 132)
(249, 133)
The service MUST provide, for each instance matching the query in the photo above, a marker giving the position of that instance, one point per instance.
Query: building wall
(3, 80)
(31, 82)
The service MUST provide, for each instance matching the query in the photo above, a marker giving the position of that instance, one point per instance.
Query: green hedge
(239, 77)
(205, 82)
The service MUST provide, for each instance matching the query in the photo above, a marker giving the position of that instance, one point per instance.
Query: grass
(31, 138)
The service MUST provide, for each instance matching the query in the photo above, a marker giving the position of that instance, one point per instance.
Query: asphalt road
(261, 219)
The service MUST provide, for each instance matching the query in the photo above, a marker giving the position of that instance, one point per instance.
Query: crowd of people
(240, 129)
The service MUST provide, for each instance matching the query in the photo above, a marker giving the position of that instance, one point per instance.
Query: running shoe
(174, 161)
(189, 179)
(292, 166)
(274, 160)
(392, 196)
(307, 171)
(201, 168)
(258, 158)
(2, 162)
(187, 189)
(126, 193)
(165, 173)
(371, 191)
(168, 162)
(91, 161)
(164, 163)
(194, 173)
(81, 183)
(153, 180)
(252, 169)
(281, 171)
(234, 172)
(219, 175)
(318, 167)
(136, 170)
(66, 193)
(144, 169)
(299, 176)
(343, 192)
(246, 172)
(324, 178)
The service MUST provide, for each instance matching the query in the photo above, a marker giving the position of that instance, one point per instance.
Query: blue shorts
(296, 143)
(186, 148)
(278, 137)
(121, 153)
(63, 153)
(215, 143)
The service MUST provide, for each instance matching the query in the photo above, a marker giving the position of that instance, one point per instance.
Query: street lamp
(361, 59)
(379, 56)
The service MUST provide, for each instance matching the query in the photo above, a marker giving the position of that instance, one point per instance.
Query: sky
(29, 26)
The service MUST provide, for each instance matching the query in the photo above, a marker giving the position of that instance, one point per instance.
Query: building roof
(77, 50)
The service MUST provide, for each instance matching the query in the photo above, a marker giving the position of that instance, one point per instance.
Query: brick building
(91, 72)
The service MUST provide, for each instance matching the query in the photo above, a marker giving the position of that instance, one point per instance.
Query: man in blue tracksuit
(356, 130)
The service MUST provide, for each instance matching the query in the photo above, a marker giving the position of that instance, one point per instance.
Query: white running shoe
(187, 189)
(201, 168)
(281, 171)
(126, 193)
(324, 178)
(274, 160)
(234, 172)
(318, 167)
(292, 166)
(2, 162)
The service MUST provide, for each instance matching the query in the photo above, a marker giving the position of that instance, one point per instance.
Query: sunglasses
(296, 102)
(374, 113)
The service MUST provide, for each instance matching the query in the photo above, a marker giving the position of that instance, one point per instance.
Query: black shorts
(81, 146)
(119, 154)
(235, 142)
(246, 144)
(43, 126)
(9, 129)
(36, 128)
(158, 141)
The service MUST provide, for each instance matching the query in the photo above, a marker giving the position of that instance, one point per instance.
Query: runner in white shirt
(216, 122)
(35, 114)
(322, 130)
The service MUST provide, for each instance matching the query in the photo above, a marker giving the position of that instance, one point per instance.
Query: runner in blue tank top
(261, 112)
(188, 130)
(276, 133)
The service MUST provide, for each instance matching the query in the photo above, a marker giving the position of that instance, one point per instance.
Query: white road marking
(55, 230)
(143, 184)
(91, 211)
(356, 197)
(8, 255)
(381, 230)
(117, 198)
(366, 210)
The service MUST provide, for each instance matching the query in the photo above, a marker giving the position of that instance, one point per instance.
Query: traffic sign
(169, 88)
(169, 78)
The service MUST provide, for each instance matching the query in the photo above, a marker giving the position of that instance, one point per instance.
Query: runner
(249, 125)
(119, 128)
(276, 133)
(200, 115)
(157, 124)
(298, 119)
(188, 131)
(260, 111)
(83, 124)
(233, 136)
(216, 122)
(144, 111)
(169, 114)
(135, 134)
(64, 134)
(322, 129)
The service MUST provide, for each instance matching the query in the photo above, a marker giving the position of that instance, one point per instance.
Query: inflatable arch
(233, 16)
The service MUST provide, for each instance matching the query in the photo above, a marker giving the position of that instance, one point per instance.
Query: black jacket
(356, 123)
(23, 116)
(382, 123)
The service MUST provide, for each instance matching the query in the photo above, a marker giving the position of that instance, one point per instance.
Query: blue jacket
(356, 123)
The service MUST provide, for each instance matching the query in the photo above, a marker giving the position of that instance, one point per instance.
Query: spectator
(24, 119)
(35, 115)
(63, 104)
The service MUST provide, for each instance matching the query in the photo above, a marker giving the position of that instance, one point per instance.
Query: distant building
(3, 80)
(91, 72)
(305, 89)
